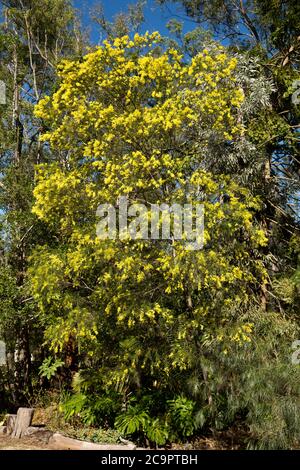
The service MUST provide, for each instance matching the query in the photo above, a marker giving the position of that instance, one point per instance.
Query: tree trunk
(26, 358)
(11, 368)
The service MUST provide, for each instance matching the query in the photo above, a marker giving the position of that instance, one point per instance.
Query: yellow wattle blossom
(133, 118)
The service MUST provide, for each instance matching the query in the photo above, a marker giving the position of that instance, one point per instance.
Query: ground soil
(25, 443)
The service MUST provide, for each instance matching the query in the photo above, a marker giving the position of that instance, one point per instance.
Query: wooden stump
(23, 421)
(3, 430)
(10, 422)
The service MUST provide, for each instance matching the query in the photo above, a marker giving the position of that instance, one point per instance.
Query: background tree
(123, 23)
(34, 36)
(268, 31)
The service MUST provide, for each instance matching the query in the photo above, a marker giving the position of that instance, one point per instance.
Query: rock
(39, 433)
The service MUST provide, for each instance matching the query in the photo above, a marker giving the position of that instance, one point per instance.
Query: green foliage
(56, 421)
(136, 421)
(34, 36)
(228, 384)
(287, 288)
(274, 24)
(133, 421)
(73, 405)
(97, 410)
(98, 435)
(182, 411)
(157, 431)
(123, 22)
(49, 367)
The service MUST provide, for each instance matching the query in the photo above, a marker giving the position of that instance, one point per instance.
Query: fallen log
(60, 442)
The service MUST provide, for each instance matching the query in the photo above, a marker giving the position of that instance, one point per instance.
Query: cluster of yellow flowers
(132, 118)
(240, 335)
(111, 90)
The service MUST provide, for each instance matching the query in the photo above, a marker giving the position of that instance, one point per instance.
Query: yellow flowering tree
(134, 118)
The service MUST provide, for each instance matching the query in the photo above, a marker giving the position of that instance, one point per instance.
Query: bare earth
(28, 443)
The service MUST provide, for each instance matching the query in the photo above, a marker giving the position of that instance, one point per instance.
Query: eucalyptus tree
(34, 37)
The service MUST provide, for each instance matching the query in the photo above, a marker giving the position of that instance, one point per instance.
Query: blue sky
(156, 18)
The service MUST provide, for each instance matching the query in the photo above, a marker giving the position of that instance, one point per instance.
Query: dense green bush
(255, 385)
